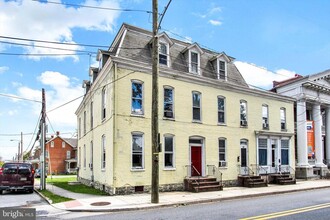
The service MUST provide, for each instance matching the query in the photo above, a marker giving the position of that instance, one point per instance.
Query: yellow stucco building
(210, 122)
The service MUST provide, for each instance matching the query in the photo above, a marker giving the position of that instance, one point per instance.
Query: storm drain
(100, 203)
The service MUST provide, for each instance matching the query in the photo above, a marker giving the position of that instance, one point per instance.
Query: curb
(154, 206)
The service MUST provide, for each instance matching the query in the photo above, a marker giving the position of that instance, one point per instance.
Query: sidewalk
(93, 203)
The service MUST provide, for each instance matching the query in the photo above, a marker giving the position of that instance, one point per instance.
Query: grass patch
(60, 179)
(63, 182)
(55, 198)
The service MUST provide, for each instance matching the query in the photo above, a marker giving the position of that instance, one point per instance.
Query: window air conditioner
(265, 126)
(222, 163)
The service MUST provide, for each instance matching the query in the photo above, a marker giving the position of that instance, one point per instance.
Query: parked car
(16, 176)
(37, 173)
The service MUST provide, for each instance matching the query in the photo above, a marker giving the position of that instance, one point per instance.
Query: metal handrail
(198, 177)
(215, 172)
(247, 170)
(258, 168)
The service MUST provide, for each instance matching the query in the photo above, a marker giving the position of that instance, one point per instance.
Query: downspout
(114, 103)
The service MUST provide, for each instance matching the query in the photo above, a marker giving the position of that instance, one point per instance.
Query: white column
(302, 134)
(318, 134)
(327, 130)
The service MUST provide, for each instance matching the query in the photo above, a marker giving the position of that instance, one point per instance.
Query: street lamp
(18, 151)
(20, 148)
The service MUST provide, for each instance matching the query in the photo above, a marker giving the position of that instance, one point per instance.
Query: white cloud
(42, 25)
(3, 69)
(12, 112)
(54, 79)
(62, 90)
(261, 77)
(215, 22)
(215, 10)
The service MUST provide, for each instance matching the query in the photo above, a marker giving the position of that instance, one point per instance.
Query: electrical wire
(47, 47)
(21, 98)
(44, 54)
(34, 132)
(53, 42)
(95, 7)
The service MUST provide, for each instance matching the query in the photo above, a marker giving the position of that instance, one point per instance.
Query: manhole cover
(100, 203)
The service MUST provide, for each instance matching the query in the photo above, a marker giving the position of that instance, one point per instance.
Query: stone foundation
(230, 183)
(128, 189)
(304, 172)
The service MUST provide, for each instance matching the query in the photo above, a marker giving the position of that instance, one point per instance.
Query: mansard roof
(134, 43)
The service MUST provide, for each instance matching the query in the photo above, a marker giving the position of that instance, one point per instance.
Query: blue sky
(271, 40)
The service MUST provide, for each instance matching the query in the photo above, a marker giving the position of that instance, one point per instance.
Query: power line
(53, 42)
(163, 14)
(44, 54)
(11, 135)
(94, 7)
(65, 103)
(47, 47)
(21, 98)
(35, 129)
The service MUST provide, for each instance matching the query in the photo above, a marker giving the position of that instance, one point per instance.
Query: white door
(275, 158)
(244, 158)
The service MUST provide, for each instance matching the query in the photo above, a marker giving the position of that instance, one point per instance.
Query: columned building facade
(312, 121)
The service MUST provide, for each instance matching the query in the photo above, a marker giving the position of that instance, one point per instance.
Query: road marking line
(288, 212)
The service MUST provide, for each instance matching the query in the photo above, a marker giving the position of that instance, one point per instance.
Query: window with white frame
(221, 110)
(243, 113)
(262, 151)
(91, 115)
(169, 151)
(79, 127)
(137, 151)
(79, 158)
(222, 152)
(222, 70)
(103, 155)
(196, 101)
(52, 144)
(168, 102)
(91, 156)
(194, 62)
(84, 155)
(283, 118)
(104, 103)
(85, 117)
(137, 98)
(47, 154)
(285, 152)
(163, 53)
(63, 144)
(68, 154)
(265, 121)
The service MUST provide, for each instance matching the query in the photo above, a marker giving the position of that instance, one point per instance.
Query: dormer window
(220, 64)
(222, 73)
(163, 54)
(194, 62)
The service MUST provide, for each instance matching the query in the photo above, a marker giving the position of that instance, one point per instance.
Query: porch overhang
(270, 133)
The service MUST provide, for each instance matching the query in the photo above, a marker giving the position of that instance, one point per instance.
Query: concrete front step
(202, 184)
(208, 188)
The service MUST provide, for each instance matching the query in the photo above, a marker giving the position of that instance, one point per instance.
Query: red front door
(196, 161)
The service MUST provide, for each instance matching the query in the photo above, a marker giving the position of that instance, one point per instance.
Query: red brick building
(61, 155)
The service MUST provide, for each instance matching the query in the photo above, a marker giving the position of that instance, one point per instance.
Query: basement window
(139, 189)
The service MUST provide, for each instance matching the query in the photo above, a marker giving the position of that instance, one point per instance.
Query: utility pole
(154, 120)
(42, 143)
(22, 157)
